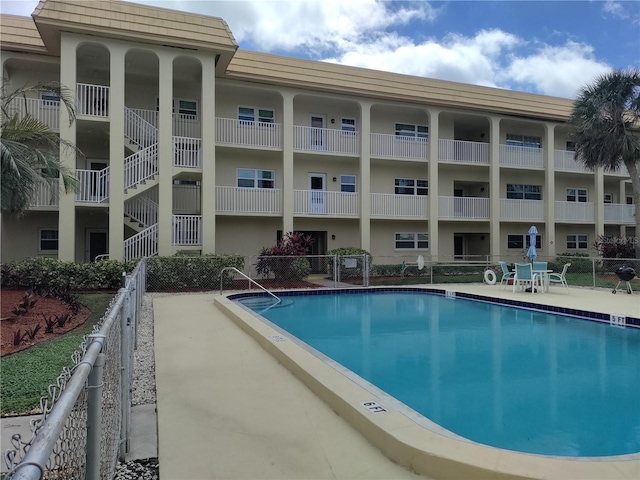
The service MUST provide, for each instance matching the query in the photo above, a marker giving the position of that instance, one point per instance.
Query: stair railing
(138, 130)
(278, 300)
(143, 244)
(140, 166)
(142, 210)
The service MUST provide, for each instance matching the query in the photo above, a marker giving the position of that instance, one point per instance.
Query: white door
(317, 132)
(317, 193)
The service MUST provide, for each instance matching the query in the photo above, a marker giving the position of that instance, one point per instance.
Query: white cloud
(557, 70)
(615, 9)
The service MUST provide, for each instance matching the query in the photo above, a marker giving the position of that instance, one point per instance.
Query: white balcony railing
(45, 111)
(523, 157)
(397, 146)
(619, 213)
(565, 161)
(187, 152)
(186, 126)
(463, 152)
(143, 244)
(574, 212)
(92, 100)
(249, 200)
(311, 139)
(141, 166)
(321, 202)
(46, 194)
(93, 185)
(187, 230)
(471, 208)
(390, 205)
(525, 210)
(142, 210)
(187, 199)
(230, 131)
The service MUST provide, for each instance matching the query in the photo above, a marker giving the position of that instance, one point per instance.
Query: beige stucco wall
(385, 117)
(21, 235)
(245, 236)
(383, 174)
(576, 229)
(228, 160)
(383, 240)
(574, 181)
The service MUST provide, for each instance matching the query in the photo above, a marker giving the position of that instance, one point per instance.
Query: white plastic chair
(506, 274)
(560, 278)
(525, 276)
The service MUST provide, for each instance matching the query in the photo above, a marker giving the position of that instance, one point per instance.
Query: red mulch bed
(9, 299)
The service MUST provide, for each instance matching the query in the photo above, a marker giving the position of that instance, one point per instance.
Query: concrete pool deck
(228, 408)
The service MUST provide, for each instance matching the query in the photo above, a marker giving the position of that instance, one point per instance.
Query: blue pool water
(507, 377)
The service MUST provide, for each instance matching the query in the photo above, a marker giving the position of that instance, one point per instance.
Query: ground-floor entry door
(97, 244)
(458, 247)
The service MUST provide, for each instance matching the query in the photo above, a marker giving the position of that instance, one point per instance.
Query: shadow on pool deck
(228, 409)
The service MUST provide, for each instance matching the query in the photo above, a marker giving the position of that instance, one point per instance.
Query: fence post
(125, 377)
(593, 271)
(366, 270)
(336, 270)
(95, 384)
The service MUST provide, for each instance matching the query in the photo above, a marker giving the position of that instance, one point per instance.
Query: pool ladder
(278, 300)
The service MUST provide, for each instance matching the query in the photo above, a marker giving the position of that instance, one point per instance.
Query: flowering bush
(616, 247)
(283, 260)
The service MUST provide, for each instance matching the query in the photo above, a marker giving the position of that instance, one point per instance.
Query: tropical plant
(615, 247)
(29, 149)
(605, 127)
(280, 260)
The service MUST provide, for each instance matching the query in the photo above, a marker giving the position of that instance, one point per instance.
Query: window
(577, 195)
(629, 200)
(411, 186)
(577, 242)
(421, 132)
(608, 198)
(184, 107)
(571, 147)
(348, 125)
(49, 240)
(524, 192)
(523, 141)
(251, 114)
(521, 242)
(412, 241)
(348, 183)
(250, 178)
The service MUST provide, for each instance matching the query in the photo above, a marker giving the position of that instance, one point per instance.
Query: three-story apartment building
(193, 144)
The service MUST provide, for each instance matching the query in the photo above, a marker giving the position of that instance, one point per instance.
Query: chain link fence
(84, 428)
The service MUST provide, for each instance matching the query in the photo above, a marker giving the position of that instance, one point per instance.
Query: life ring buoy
(489, 277)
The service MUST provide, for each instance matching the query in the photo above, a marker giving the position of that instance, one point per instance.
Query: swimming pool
(510, 378)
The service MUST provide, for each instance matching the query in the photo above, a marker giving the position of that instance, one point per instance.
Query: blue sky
(548, 47)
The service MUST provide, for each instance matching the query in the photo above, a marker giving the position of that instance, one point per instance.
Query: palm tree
(605, 126)
(29, 149)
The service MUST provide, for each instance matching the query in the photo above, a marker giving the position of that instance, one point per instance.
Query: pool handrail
(250, 280)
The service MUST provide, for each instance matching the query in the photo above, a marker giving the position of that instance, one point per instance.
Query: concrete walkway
(228, 410)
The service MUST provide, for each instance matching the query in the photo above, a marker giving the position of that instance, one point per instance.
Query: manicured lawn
(26, 375)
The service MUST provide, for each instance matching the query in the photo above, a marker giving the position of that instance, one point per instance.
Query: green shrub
(189, 272)
(43, 273)
(580, 262)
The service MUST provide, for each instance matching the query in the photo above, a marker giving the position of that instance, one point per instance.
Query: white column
(494, 188)
(364, 183)
(67, 208)
(165, 155)
(598, 202)
(622, 199)
(287, 161)
(433, 181)
(116, 152)
(208, 135)
(549, 244)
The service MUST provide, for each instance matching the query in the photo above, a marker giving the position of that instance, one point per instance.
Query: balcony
(94, 185)
(187, 152)
(187, 199)
(387, 205)
(46, 194)
(250, 201)
(457, 151)
(325, 140)
(320, 202)
(45, 111)
(183, 125)
(521, 210)
(397, 146)
(92, 100)
(463, 208)
(187, 230)
(619, 213)
(252, 134)
(578, 212)
(565, 161)
(521, 157)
